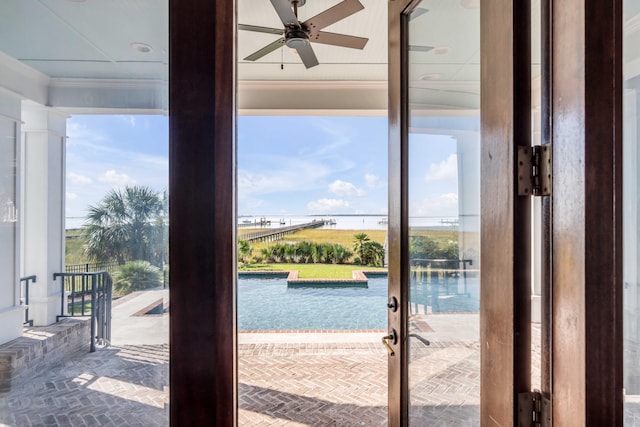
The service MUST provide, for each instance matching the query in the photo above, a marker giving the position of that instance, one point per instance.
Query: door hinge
(534, 410)
(534, 170)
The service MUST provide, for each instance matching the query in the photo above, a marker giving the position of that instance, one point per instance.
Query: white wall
(11, 313)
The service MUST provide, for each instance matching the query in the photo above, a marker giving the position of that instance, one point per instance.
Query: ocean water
(343, 222)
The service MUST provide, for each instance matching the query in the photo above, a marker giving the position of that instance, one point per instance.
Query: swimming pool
(268, 304)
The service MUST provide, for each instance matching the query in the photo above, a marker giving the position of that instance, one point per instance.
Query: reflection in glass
(62, 59)
(444, 213)
(7, 171)
(631, 213)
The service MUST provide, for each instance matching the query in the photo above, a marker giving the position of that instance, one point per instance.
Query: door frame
(587, 108)
(202, 204)
(586, 214)
(505, 329)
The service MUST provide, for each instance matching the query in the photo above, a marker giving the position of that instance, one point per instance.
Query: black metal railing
(452, 269)
(90, 267)
(88, 294)
(25, 283)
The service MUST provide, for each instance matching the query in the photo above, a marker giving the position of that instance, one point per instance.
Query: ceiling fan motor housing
(296, 37)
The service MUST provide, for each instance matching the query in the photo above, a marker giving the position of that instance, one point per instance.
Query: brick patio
(285, 379)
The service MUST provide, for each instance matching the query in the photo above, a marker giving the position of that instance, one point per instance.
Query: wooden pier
(262, 222)
(274, 234)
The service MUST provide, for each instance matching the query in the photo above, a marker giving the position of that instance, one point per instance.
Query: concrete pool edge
(359, 278)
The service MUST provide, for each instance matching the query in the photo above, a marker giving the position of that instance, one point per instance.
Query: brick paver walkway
(312, 384)
(116, 386)
(284, 380)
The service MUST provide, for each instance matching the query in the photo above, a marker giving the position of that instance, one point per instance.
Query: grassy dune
(342, 237)
(73, 248)
(74, 255)
(345, 237)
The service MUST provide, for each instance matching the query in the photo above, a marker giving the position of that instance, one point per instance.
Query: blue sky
(108, 151)
(312, 165)
(287, 166)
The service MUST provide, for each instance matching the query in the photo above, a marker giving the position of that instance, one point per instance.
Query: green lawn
(312, 271)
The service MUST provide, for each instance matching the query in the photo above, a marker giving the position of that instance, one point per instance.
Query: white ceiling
(85, 52)
(90, 39)
(336, 63)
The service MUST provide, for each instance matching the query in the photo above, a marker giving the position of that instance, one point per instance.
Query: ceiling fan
(299, 35)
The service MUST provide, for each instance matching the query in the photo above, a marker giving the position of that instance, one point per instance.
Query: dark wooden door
(459, 237)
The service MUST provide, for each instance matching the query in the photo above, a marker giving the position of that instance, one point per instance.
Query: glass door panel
(631, 214)
(443, 91)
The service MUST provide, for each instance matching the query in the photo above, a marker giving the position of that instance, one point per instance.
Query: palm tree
(358, 244)
(267, 254)
(373, 254)
(128, 224)
(318, 253)
(342, 254)
(290, 253)
(304, 251)
(244, 250)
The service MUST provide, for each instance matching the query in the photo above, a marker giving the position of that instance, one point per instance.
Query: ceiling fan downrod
(296, 4)
(295, 7)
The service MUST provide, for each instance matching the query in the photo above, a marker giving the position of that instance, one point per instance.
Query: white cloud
(131, 120)
(447, 170)
(345, 189)
(371, 180)
(327, 205)
(71, 196)
(115, 178)
(78, 179)
(440, 205)
(292, 176)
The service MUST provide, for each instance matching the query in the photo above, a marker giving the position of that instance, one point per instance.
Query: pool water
(268, 304)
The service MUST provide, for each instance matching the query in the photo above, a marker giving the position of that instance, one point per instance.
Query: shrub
(136, 276)
(244, 251)
(372, 254)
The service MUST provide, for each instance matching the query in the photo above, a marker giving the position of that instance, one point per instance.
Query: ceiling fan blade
(284, 11)
(418, 11)
(416, 48)
(340, 40)
(258, 29)
(265, 50)
(333, 14)
(307, 55)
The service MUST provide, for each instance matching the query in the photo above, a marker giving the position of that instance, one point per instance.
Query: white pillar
(468, 154)
(11, 313)
(44, 134)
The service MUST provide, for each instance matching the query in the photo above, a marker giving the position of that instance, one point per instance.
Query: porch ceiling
(113, 55)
